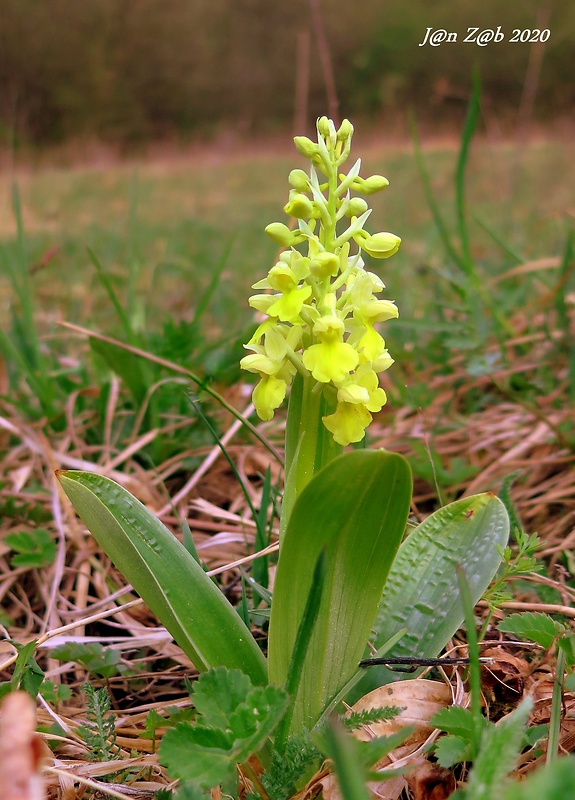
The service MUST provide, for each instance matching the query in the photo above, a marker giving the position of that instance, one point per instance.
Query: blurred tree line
(129, 70)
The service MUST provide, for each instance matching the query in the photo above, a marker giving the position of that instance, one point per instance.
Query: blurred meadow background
(143, 148)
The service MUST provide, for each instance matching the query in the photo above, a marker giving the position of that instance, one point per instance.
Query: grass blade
(466, 137)
(433, 205)
(204, 385)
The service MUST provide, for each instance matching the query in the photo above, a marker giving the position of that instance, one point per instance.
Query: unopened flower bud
(299, 180)
(299, 206)
(345, 131)
(282, 235)
(370, 185)
(357, 206)
(380, 245)
(305, 146)
(323, 126)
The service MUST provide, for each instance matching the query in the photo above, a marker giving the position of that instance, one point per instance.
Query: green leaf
(195, 753)
(373, 751)
(254, 721)
(422, 590)
(55, 692)
(27, 675)
(368, 716)
(199, 752)
(455, 720)
(190, 791)
(35, 548)
(535, 734)
(218, 692)
(92, 655)
(539, 628)
(460, 724)
(556, 782)
(302, 642)
(356, 509)
(499, 749)
(451, 750)
(298, 757)
(165, 575)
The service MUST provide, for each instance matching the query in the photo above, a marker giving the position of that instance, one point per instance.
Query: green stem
(309, 445)
(474, 666)
(485, 626)
(556, 703)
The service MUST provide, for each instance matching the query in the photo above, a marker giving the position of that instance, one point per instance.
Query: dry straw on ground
(82, 598)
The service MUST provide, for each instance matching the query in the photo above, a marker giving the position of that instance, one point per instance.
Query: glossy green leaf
(422, 591)
(355, 509)
(165, 575)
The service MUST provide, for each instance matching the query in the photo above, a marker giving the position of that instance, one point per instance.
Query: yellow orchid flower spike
(320, 304)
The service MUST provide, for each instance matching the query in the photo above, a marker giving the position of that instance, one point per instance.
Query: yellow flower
(348, 423)
(332, 359)
(363, 389)
(284, 279)
(368, 342)
(268, 394)
(288, 306)
(380, 245)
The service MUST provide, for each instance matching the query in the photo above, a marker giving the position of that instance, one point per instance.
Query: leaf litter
(81, 598)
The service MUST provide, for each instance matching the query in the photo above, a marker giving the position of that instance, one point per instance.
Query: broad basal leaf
(355, 510)
(165, 575)
(422, 591)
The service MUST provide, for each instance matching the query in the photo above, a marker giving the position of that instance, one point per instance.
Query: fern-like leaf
(99, 733)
